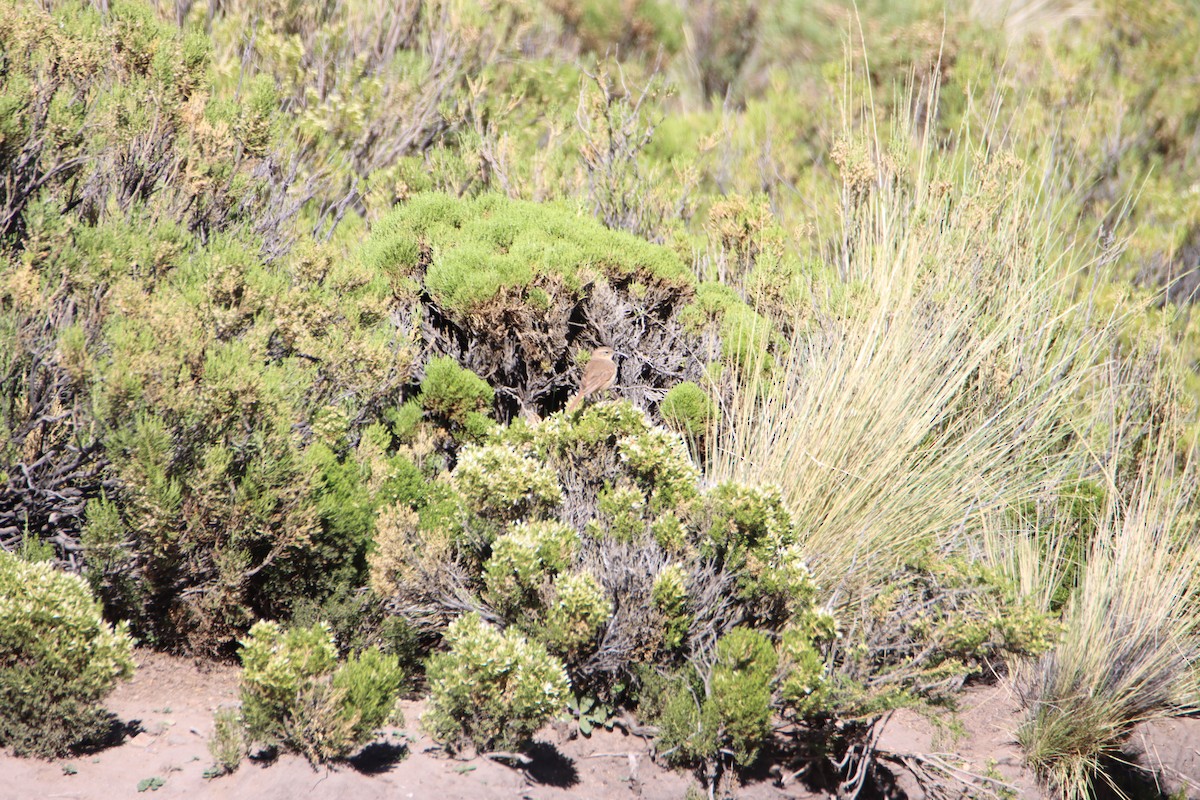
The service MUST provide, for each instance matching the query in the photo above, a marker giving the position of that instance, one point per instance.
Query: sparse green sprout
(227, 744)
(151, 784)
(591, 712)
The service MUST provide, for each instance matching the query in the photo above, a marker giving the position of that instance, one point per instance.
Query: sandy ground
(168, 711)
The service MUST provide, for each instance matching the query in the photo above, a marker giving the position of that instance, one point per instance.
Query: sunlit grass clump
(944, 390)
(1129, 650)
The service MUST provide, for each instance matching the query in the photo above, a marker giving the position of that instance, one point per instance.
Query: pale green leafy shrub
(579, 612)
(523, 563)
(491, 690)
(622, 514)
(659, 462)
(623, 557)
(635, 565)
(58, 659)
(804, 689)
(296, 695)
(671, 600)
(750, 531)
(501, 484)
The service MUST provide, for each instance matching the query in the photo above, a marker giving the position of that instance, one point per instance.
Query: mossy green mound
(471, 251)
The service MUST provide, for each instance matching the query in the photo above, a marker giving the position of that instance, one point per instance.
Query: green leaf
(152, 784)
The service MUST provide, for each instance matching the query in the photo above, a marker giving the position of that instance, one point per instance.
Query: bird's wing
(596, 375)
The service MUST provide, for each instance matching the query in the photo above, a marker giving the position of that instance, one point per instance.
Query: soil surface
(166, 717)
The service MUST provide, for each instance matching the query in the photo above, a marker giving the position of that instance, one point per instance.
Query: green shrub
(58, 660)
(671, 601)
(491, 690)
(97, 113)
(804, 688)
(688, 409)
(750, 531)
(295, 695)
(501, 484)
(333, 560)
(626, 558)
(452, 392)
(489, 245)
(579, 612)
(728, 711)
(499, 283)
(524, 561)
(747, 338)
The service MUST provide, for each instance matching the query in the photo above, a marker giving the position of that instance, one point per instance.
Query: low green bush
(580, 610)
(732, 710)
(454, 393)
(491, 690)
(296, 695)
(58, 660)
(523, 560)
(671, 600)
(688, 409)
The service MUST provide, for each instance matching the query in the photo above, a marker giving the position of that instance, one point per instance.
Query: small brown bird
(599, 375)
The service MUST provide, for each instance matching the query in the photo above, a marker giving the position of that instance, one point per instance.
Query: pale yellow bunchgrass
(1129, 648)
(941, 392)
(960, 387)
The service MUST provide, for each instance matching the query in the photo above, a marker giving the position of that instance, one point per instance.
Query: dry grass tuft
(897, 424)
(1129, 649)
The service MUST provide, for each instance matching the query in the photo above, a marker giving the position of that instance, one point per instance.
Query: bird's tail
(574, 402)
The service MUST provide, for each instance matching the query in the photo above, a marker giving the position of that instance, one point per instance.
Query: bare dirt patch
(166, 716)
